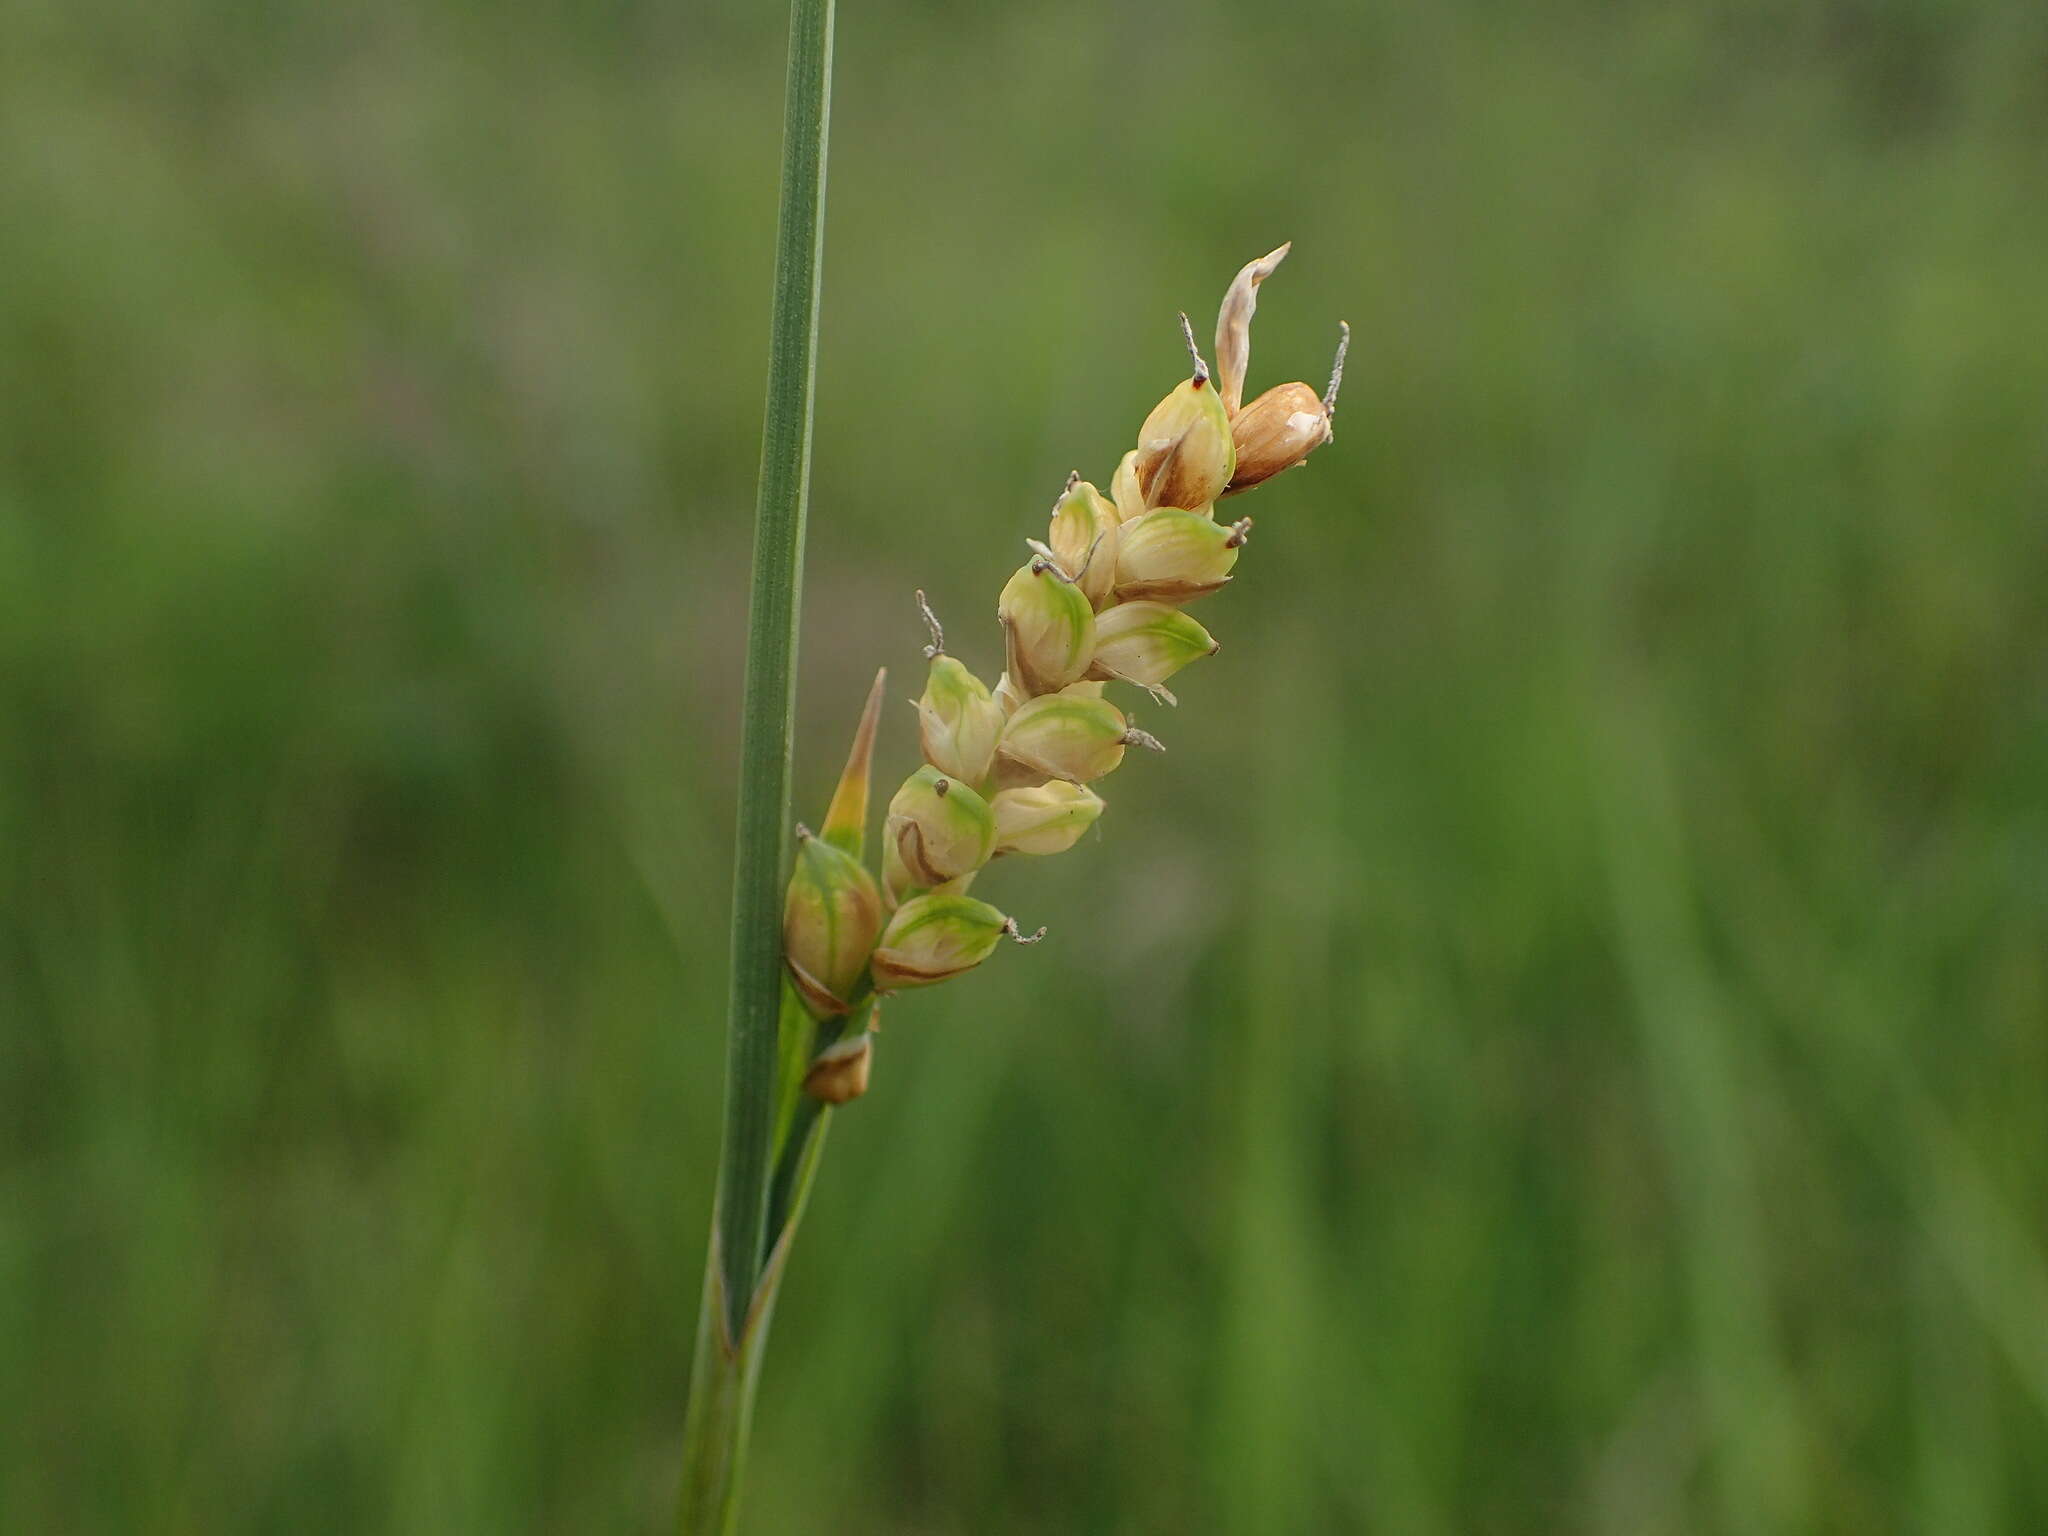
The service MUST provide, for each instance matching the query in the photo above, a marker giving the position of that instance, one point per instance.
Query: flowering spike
(846, 819)
(1234, 326)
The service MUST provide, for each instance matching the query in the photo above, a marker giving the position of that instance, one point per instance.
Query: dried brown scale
(1007, 768)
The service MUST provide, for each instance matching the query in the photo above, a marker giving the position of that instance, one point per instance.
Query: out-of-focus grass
(1556, 1045)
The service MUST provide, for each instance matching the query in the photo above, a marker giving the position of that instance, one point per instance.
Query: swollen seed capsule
(1083, 539)
(958, 720)
(1047, 819)
(1185, 457)
(932, 938)
(1146, 643)
(1277, 431)
(1048, 627)
(839, 1074)
(1173, 556)
(830, 918)
(938, 829)
(1063, 736)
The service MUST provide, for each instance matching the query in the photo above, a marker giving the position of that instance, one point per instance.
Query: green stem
(741, 1275)
(762, 852)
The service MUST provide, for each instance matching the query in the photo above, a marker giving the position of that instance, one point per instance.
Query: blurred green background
(1557, 1044)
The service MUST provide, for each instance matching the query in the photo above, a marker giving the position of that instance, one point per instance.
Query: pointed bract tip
(846, 818)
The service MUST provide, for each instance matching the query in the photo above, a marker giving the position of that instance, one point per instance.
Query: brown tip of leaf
(846, 819)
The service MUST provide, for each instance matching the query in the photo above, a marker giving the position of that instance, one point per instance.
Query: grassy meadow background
(1559, 1044)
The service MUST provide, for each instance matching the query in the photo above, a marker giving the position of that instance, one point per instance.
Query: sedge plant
(1009, 770)
(821, 939)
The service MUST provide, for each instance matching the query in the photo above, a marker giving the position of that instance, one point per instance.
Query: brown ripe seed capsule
(1284, 425)
(839, 1075)
(1275, 432)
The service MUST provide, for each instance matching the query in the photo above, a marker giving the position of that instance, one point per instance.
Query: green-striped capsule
(935, 937)
(1048, 627)
(1076, 735)
(958, 721)
(938, 830)
(1171, 556)
(1146, 643)
(1045, 818)
(830, 919)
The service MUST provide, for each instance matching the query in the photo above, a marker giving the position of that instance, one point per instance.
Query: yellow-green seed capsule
(1277, 431)
(938, 829)
(1048, 818)
(1083, 539)
(1062, 736)
(1048, 627)
(958, 720)
(1146, 643)
(1185, 457)
(1172, 556)
(830, 918)
(1124, 491)
(932, 938)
